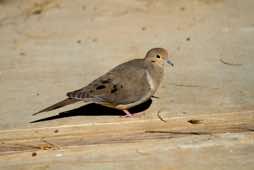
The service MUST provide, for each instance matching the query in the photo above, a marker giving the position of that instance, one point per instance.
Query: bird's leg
(156, 97)
(127, 113)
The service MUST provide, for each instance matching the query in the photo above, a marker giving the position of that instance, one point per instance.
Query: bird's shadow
(96, 110)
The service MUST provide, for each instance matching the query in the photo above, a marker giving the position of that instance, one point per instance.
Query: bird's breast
(150, 81)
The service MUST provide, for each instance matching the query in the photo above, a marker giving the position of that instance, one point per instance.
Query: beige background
(50, 47)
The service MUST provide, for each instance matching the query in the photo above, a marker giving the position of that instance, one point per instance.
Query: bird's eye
(158, 56)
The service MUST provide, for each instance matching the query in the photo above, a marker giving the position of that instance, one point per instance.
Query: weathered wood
(193, 152)
(125, 131)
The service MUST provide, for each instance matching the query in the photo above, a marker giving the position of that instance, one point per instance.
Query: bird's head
(158, 56)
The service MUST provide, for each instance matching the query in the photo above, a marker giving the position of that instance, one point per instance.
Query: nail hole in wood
(194, 121)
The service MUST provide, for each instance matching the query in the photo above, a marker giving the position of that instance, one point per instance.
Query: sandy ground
(50, 47)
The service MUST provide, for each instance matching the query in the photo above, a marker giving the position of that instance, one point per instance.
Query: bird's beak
(169, 62)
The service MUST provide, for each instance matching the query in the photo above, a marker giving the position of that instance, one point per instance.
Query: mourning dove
(125, 86)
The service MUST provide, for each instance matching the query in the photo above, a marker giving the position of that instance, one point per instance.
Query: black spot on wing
(114, 89)
(77, 94)
(100, 87)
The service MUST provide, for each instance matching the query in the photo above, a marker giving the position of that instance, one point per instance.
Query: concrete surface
(49, 47)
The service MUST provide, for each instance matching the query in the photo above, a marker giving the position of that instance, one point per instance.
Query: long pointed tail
(62, 103)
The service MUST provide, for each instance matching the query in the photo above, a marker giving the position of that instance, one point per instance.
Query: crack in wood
(129, 131)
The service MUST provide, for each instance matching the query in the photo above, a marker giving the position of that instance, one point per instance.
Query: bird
(124, 86)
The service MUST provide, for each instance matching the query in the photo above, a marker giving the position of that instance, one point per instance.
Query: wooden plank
(125, 131)
(193, 152)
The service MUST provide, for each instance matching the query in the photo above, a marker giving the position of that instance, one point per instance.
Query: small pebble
(94, 40)
(22, 54)
(143, 28)
(34, 154)
(182, 8)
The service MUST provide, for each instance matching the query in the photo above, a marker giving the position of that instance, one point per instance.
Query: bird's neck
(156, 72)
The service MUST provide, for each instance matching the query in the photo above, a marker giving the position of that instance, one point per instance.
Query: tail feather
(62, 103)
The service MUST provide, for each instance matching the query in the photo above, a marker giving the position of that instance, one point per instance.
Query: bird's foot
(127, 114)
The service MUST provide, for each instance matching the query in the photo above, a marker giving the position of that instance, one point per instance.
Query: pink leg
(128, 114)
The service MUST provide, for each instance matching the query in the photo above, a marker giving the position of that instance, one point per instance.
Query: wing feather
(124, 84)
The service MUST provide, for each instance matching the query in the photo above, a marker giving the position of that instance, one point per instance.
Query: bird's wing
(124, 84)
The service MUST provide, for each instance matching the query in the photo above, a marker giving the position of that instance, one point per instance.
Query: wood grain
(126, 131)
